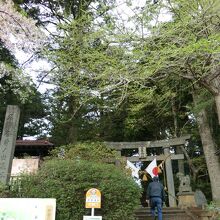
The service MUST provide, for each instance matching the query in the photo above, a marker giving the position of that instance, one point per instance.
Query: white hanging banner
(133, 168)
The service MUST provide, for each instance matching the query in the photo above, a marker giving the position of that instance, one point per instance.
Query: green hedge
(68, 180)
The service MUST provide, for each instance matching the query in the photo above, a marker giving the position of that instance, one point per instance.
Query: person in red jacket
(156, 196)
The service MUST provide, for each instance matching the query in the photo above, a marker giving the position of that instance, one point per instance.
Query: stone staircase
(170, 213)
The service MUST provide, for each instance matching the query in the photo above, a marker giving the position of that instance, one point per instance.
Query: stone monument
(185, 195)
(200, 198)
(8, 140)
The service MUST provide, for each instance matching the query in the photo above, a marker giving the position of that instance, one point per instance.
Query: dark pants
(156, 202)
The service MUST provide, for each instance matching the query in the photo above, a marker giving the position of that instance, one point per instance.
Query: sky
(34, 68)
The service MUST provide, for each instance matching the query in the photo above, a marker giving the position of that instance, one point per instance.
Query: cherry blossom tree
(17, 31)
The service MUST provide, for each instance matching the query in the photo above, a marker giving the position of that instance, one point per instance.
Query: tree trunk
(176, 134)
(217, 102)
(193, 169)
(212, 160)
(72, 113)
(72, 133)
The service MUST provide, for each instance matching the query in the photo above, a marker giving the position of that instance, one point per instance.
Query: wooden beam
(127, 145)
(159, 158)
(148, 144)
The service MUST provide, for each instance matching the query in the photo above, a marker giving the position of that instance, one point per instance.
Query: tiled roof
(33, 143)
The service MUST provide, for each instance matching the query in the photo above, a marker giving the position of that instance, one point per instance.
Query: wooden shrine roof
(33, 147)
(38, 143)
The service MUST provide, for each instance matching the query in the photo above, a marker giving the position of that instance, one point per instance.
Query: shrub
(90, 151)
(4, 191)
(68, 180)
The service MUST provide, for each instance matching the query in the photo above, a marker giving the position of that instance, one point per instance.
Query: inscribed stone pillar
(170, 181)
(180, 162)
(142, 151)
(8, 140)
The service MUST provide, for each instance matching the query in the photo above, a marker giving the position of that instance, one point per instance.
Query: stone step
(167, 209)
(167, 217)
(169, 213)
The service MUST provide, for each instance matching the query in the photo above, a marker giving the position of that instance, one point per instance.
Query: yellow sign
(93, 198)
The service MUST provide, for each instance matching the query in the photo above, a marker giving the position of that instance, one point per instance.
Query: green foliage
(213, 206)
(77, 169)
(33, 110)
(205, 100)
(4, 191)
(130, 87)
(202, 180)
(52, 12)
(91, 151)
(6, 56)
(89, 79)
(33, 114)
(16, 88)
(68, 180)
(214, 209)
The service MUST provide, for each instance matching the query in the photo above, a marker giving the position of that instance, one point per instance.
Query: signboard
(93, 198)
(20, 166)
(92, 217)
(27, 209)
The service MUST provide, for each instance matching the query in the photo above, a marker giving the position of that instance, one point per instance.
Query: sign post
(93, 200)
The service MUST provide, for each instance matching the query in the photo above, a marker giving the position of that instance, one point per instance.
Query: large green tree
(186, 48)
(158, 78)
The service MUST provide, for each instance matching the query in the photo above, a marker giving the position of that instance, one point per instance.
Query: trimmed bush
(68, 181)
